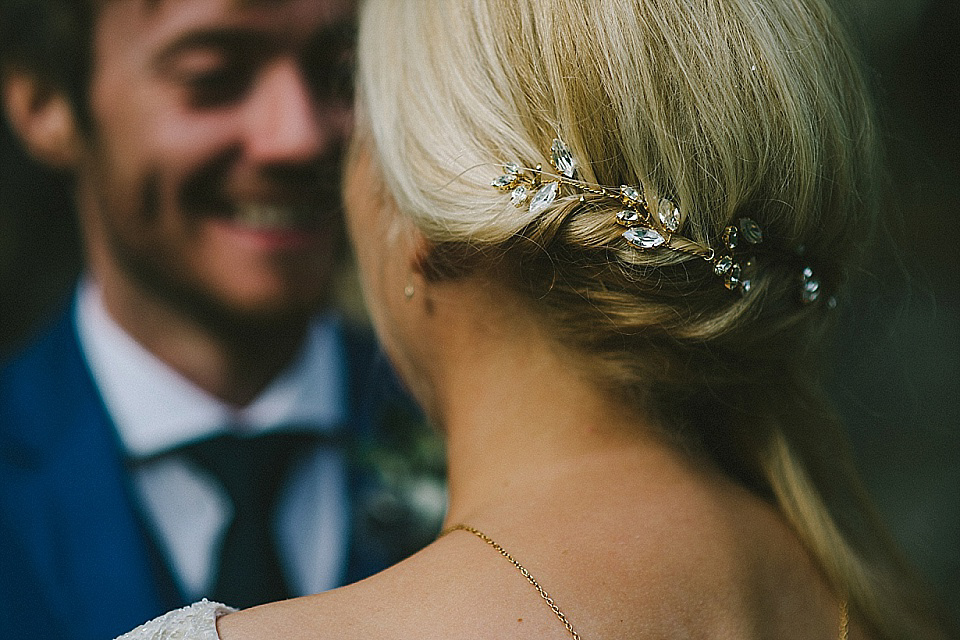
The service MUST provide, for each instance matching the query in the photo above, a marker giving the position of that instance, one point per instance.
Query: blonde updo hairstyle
(731, 108)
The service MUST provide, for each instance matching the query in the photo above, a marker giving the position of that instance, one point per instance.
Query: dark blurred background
(896, 377)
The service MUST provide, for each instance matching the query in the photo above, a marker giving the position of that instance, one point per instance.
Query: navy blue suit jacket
(76, 562)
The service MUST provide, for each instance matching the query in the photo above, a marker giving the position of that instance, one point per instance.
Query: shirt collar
(156, 409)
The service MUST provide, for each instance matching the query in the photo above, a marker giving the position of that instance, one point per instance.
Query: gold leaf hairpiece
(646, 228)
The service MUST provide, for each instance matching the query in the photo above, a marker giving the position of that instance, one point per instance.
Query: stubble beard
(159, 274)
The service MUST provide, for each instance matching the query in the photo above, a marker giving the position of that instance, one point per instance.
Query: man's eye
(216, 87)
(210, 76)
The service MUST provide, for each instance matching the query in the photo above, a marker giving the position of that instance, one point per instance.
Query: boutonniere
(405, 465)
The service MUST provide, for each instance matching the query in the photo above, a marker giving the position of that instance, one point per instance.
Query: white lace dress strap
(195, 622)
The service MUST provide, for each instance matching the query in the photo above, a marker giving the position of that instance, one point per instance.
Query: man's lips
(257, 216)
(275, 227)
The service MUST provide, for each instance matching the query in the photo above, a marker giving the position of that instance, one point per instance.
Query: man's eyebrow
(212, 38)
(336, 34)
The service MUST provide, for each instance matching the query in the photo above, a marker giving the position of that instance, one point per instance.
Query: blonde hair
(731, 108)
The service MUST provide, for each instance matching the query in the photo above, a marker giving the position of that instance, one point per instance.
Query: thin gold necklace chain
(844, 620)
(844, 612)
(523, 571)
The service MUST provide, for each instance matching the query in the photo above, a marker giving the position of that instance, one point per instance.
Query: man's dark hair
(53, 39)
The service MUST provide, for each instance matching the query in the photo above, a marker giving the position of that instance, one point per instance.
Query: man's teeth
(268, 216)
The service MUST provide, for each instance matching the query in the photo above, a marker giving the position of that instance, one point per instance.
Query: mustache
(218, 187)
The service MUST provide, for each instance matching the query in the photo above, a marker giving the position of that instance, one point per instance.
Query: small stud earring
(408, 290)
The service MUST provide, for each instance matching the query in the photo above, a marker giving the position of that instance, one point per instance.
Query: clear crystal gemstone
(745, 286)
(519, 196)
(628, 217)
(562, 158)
(643, 237)
(730, 237)
(810, 292)
(723, 265)
(504, 181)
(512, 168)
(732, 281)
(751, 231)
(544, 197)
(669, 215)
(630, 193)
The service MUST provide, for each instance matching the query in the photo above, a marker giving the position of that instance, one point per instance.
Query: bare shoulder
(690, 558)
(440, 593)
(682, 554)
(730, 566)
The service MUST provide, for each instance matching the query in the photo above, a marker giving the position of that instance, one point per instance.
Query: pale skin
(632, 537)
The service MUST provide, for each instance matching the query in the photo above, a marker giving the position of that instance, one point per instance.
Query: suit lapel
(99, 574)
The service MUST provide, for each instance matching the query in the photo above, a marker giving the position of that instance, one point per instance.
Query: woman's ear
(42, 117)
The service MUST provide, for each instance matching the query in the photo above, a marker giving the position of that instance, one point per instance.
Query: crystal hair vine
(644, 230)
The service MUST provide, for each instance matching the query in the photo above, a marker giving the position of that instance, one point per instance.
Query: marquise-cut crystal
(519, 196)
(723, 265)
(751, 231)
(745, 286)
(544, 197)
(504, 181)
(630, 193)
(643, 237)
(669, 215)
(562, 158)
(731, 237)
(733, 277)
(628, 217)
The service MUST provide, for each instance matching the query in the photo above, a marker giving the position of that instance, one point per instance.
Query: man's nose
(286, 124)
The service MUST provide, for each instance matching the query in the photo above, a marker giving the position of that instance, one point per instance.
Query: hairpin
(645, 231)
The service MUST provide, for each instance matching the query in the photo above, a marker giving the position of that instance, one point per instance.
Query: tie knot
(250, 468)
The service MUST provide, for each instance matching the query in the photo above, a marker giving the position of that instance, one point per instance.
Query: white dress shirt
(155, 409)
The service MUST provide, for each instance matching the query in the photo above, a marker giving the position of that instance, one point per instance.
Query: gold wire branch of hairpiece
(645, 231)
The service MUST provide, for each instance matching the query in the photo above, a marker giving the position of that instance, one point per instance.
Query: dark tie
(252, 471)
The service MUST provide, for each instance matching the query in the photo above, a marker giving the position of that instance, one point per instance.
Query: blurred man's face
(211, 177)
